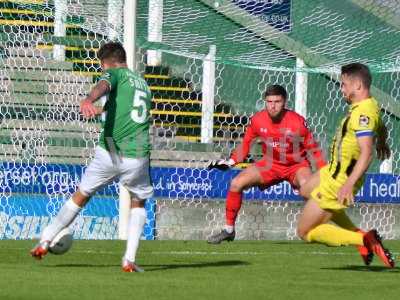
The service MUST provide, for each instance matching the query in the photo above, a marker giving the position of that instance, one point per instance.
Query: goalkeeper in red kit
(289, 150)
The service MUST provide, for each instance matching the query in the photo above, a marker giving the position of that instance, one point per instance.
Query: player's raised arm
(87, 109)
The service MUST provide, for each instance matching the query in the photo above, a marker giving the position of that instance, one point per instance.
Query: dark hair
(275, 90)
(113, 51)
(360, 71)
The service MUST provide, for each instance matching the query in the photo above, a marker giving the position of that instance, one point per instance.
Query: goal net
(207, 64)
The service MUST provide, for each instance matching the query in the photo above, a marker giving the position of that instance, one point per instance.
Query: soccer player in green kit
(123, 151)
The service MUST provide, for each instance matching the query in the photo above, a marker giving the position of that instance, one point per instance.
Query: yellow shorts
(326, 193)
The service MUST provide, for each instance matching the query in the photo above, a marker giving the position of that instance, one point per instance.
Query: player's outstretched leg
(366, 255)
(64, 218)
(373, 242)
(340, 218)
(40, 250)
(130, 267)
(221, 236)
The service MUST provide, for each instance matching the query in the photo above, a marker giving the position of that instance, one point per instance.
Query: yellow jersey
(363, 119)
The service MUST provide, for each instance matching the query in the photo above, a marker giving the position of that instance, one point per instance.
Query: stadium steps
(61, 112)
(37, 63)
(45, 87)
(34, 18)
(37, 16)
(177, 105)
(39, 111)
(25, 4)
(162, 86)
(41, 90)
(75, 128)
(40, 20)
(43, 75)
(31, 99)
(26, 52)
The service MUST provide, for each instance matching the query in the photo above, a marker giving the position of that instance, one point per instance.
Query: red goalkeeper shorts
(273, 173)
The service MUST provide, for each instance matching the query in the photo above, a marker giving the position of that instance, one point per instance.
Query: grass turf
(196, 270)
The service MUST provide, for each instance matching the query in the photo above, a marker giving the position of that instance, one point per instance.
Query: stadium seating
(35, 87)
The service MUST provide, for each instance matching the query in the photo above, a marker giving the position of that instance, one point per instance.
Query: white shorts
(133, 174)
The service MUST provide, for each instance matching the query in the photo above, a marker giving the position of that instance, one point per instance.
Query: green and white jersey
(126, 126)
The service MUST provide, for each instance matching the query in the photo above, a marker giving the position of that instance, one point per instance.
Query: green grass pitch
(195, 270)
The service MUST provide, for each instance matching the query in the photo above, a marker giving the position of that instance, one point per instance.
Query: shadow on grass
(364, 269)
(82, 266)
(294, 243)
(158, 267)
(225, 263)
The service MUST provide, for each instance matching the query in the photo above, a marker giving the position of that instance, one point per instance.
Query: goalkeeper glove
(221, 164)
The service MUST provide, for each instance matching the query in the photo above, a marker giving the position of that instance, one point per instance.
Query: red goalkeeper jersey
(287, 142)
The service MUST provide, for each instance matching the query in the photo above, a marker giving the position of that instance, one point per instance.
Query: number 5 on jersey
(139, 111)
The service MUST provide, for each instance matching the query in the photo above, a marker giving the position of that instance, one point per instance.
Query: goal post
(130, 46)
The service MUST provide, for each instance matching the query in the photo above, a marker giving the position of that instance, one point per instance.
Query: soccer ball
(62, 242)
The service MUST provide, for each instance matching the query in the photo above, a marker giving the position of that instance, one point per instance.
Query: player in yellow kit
(334, 186)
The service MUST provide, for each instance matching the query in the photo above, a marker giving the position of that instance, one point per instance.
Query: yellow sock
(341, 219)
(332, 235)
